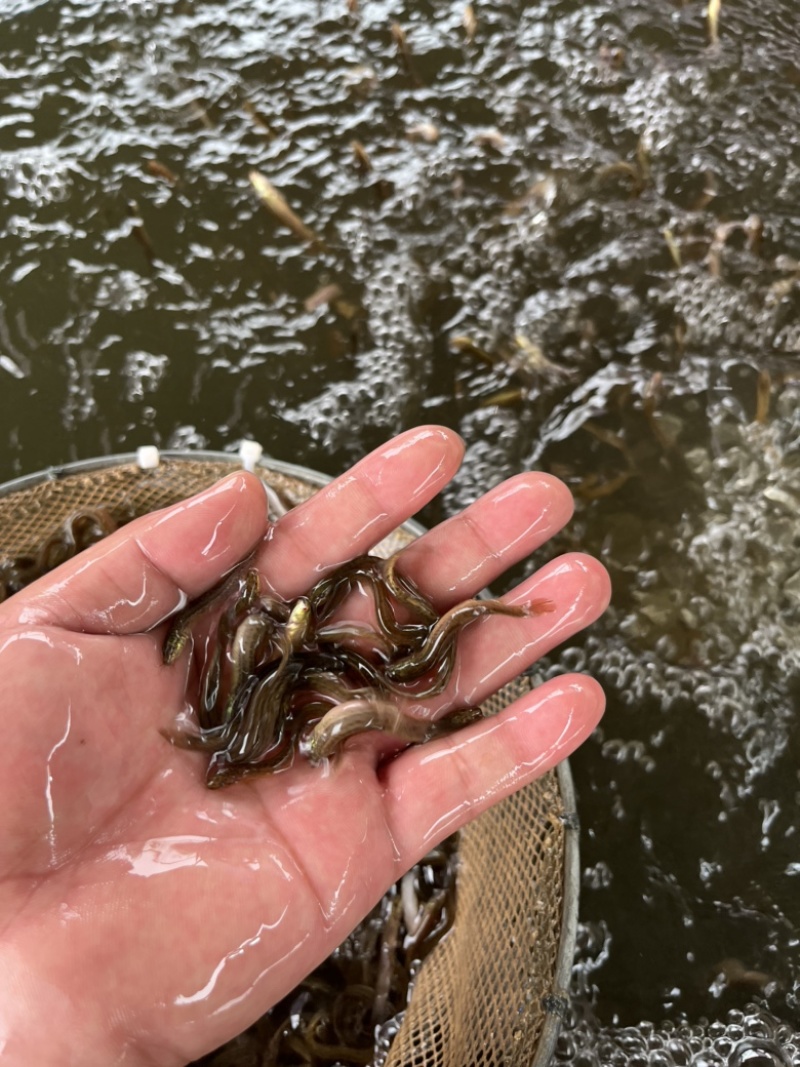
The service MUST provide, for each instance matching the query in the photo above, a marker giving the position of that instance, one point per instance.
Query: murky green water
(569, 137)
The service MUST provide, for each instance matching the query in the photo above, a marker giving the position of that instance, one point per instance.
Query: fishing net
(492, 991)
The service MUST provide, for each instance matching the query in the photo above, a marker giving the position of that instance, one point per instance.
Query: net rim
(58, 471)
(555, 1014)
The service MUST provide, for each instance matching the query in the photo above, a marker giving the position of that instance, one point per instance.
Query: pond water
(571, 232)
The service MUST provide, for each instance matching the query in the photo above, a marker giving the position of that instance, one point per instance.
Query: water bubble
(728, 1042)
(38, 176)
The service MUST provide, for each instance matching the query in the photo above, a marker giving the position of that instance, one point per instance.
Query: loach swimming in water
(283, 677)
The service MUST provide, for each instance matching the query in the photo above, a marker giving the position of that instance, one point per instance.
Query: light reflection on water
(617, 124)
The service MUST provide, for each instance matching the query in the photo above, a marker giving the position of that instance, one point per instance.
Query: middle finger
(466, 553)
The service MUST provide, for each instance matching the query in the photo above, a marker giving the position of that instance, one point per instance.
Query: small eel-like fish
(264, 636)
(298, 625)
(366, 712)
(443, 635)
(178, 633)
(354, 636)
(324, 685)
(347, 661)
(257, 636)
(356, 717)
(404, 590)
(322, 1052)
(433, 916)
(242, 653)
(259, 740)
(332, 590)
(230, 620)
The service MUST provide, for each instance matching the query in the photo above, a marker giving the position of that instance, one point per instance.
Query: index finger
(353, 513)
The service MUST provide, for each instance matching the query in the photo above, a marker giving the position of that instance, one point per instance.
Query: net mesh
(482, 996)
(490, 994)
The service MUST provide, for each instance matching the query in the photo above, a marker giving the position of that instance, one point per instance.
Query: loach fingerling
(260, 713)
(269, 707)
(222, 770)
(282, 676)
(359, 716)
(213, 710)
(213, 740)
(255, 642)
(353, 636)
(432, 682)
(299, 625)
(332, 590)
(407, 592)
(90, 526)
(177, 634)
(443, 635)
(401, 635)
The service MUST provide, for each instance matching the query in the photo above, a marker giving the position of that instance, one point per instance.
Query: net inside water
(491, 991)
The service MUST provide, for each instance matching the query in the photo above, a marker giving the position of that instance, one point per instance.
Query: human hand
(144, 919)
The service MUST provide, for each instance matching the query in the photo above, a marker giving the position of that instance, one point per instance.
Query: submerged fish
(275, 202)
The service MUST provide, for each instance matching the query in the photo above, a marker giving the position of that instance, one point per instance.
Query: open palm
(145, 919)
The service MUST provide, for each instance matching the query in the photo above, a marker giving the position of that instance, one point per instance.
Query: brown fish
(275, 202)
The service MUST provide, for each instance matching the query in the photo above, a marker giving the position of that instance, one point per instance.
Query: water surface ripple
(579, 245)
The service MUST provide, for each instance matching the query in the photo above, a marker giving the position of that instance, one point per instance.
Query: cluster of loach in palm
(282, 677)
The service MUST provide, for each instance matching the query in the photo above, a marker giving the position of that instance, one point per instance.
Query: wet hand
(145, 919)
